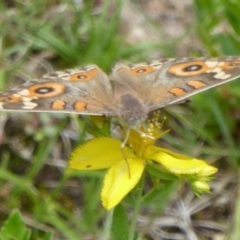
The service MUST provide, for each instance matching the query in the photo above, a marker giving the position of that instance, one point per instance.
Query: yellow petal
(183, 166)
(120, 180)
(98, 153)
(156, 150)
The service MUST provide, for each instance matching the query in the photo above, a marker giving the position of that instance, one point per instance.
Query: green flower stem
(108, 225)
(138, 200)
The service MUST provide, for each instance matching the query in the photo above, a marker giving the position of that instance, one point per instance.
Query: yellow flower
(126, 165)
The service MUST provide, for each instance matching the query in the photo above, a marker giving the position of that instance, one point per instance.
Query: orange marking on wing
(138, 71)
(177, 91)
(196, 84)
(45, 90)
(231, 65)
(181, 69)
(58, 105)
(11, 99)
(79, 106)
(83, 76)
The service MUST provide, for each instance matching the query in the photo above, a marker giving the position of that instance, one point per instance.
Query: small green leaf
(161, 192)
(119, 223)
(160, 173)
(15, 228)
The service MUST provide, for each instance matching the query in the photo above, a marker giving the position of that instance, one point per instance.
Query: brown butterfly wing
(84, 90)
(185, 78)
(169, 81)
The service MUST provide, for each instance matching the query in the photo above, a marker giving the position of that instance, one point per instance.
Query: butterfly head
(134, 119)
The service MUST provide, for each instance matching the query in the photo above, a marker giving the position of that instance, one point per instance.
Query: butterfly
(129, 92)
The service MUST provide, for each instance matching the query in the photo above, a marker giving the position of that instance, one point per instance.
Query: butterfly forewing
(83, 90)
(188, 77)
(178, 79)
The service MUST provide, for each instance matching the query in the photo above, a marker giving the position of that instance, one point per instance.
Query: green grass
(35, 147)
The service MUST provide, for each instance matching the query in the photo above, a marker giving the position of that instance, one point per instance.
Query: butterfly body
(130, 92)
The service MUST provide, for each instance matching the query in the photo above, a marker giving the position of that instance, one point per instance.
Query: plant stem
(132, 228)
(108, 225)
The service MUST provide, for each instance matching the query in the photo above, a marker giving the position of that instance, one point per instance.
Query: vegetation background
(37, 37)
